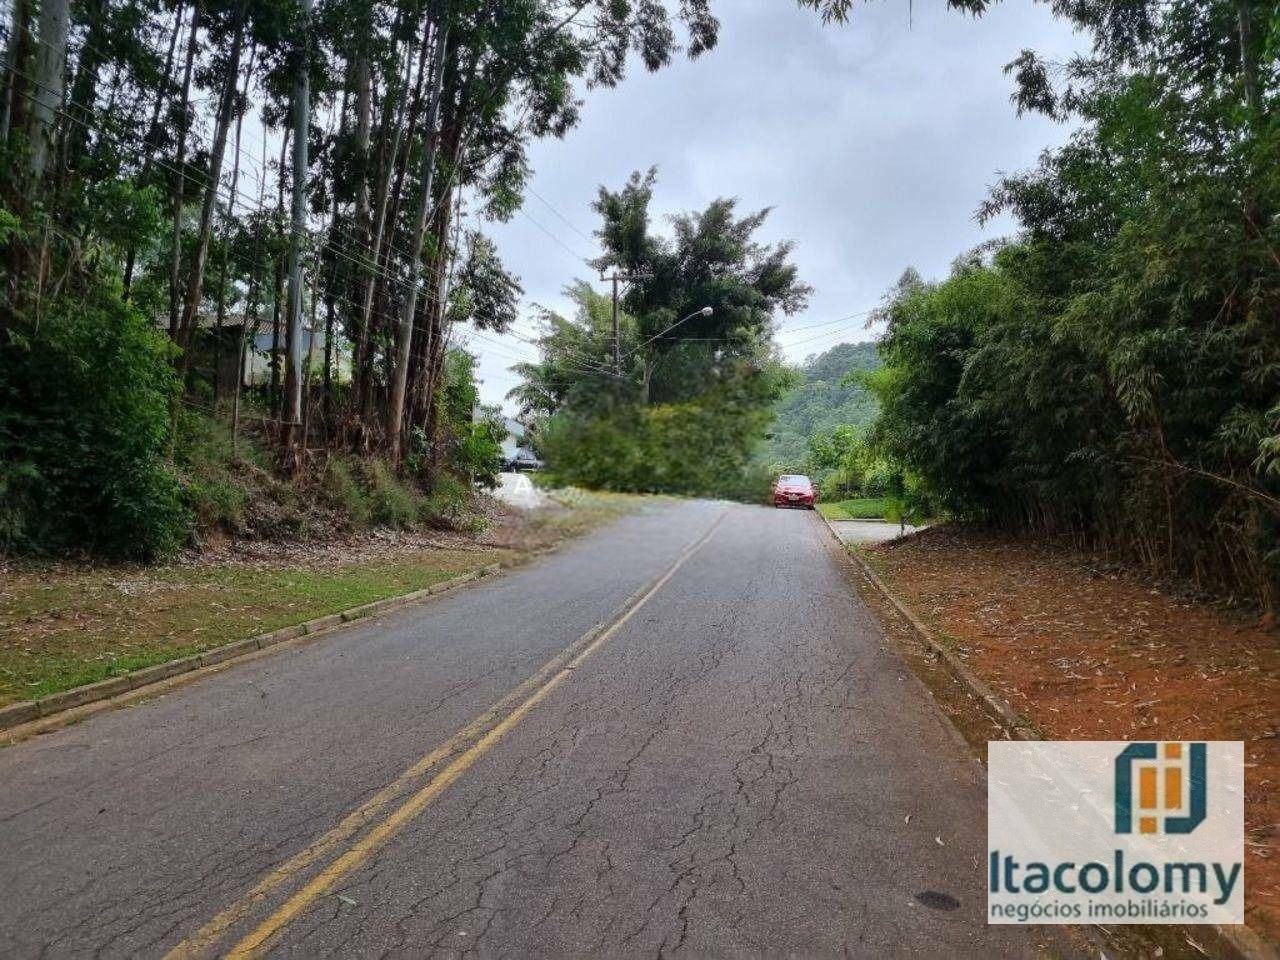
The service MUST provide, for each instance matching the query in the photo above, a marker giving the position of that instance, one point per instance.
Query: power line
(563, 219)
(573, 253)
(574, 353)
(827, 323)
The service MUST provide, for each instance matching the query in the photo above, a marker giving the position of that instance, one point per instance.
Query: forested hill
(821, 402)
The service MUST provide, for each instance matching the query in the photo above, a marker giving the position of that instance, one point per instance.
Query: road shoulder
(77, 640)
(976, 699)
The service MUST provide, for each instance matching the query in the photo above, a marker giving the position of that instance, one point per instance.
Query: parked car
(794, 490)
(522, 460)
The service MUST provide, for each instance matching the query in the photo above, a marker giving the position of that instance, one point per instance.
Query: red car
(794, 490)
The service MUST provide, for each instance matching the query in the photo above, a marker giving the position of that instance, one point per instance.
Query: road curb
(1017, 725)
(136, 682)
(1240, 939)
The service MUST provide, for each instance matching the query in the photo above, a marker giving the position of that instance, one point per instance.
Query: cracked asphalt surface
(745, 768)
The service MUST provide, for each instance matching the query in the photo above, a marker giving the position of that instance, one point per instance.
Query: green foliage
(212, 489)
(829, 396)
(699, 447)
(865, 508)
(485, 294)
(392, 503)
(450, 504)
(367, 493)
(144, 194)
(470, 435)
(85, 399)
(1115, 373)
(693, 395)
(822, 423)
(343, 486)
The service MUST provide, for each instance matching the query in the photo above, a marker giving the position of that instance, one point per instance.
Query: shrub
(700, 447)
(449, 504)
(344, 491)
(211, 490)
(392, 503)
(85, 401)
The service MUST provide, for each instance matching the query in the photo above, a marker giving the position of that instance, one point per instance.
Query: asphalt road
(707, 749)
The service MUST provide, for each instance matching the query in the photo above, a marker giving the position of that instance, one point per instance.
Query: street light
(704, 312)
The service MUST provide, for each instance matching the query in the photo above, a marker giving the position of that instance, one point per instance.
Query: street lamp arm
(704, 312)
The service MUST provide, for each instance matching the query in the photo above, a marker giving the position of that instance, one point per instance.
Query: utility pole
(301, 120)
(617, 330)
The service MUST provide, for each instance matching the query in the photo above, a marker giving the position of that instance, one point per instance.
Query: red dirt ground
(1093, 655)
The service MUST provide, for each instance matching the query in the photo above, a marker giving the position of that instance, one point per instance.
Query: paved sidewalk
(869, 531)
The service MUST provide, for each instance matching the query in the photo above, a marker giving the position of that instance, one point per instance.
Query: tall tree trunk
(404, 332)
(50, 63)
(231, 213)
(277, 296)
(436, 302)
(14, 117)
(392, 161)
(153, 131)
(307, 392)
(249, 334)
(363, 81)
(179, 175)
(226, 110)
(330, 290)
(301, 125)
(13, 111)
(1248, 53)
(432, 424)
(439, 302)
(328, 362)
(85, 84)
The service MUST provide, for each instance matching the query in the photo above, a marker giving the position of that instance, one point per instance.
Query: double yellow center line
(466, 746)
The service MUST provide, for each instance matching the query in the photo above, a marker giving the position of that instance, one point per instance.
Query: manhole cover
(938, 901)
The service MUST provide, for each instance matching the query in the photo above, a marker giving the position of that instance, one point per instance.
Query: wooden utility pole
(301, 120)
(617, 329)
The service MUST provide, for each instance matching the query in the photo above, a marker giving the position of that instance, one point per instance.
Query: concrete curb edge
(28, 711)
(1244, 941)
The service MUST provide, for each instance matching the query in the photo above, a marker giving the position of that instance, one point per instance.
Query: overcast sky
(874, 143)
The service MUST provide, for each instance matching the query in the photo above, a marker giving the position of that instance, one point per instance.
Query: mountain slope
(820, 403)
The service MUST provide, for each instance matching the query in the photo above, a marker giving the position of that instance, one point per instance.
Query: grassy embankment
(67, 624)
(872, 508)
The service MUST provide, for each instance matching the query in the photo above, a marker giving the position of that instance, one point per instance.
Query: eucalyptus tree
(489, 76)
